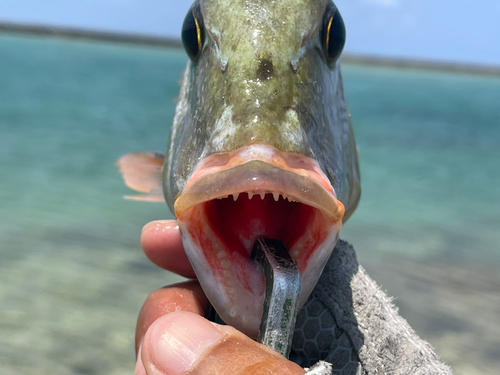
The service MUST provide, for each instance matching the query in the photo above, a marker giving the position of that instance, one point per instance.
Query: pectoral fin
(142, 172)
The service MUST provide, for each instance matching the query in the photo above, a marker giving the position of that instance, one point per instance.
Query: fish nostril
(265, 70)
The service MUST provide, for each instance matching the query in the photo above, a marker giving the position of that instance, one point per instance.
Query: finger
(181, 342)
(186, 296)
(161, 242)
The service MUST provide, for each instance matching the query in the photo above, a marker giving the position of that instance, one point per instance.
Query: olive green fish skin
(262, 78)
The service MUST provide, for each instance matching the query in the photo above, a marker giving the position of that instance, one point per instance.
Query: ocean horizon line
(171, 42)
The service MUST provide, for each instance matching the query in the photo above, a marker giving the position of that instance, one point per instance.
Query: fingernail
(139, 366)
(178, 339)
(159, 225)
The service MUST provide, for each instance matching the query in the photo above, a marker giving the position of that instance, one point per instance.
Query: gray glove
(350, 323)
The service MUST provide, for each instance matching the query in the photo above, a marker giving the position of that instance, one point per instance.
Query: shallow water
(73, 277)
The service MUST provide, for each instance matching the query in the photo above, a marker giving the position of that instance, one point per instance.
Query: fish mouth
(256, 191)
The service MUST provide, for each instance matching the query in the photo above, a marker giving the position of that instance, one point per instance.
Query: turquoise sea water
(73, 277)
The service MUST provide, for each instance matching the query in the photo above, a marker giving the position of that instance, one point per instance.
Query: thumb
(181, 342)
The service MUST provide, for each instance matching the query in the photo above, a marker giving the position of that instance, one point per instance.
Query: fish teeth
(276, 196)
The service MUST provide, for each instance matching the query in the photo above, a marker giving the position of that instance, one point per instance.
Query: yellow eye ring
(332, 35)
(193, 32)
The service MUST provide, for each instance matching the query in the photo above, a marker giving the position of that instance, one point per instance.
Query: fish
(261, 145)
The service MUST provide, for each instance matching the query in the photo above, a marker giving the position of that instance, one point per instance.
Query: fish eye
(193, 32)
(332, 35)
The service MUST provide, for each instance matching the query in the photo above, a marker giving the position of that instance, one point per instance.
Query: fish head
(261, 145)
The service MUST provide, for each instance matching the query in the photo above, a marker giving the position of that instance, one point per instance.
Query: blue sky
(451, 30)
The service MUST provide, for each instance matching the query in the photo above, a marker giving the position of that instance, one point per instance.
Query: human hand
(172, 337)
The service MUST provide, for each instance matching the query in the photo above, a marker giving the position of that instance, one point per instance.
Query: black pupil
(192, 34)
(333, 36)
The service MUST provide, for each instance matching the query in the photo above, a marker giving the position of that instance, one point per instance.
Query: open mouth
(235, 198)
